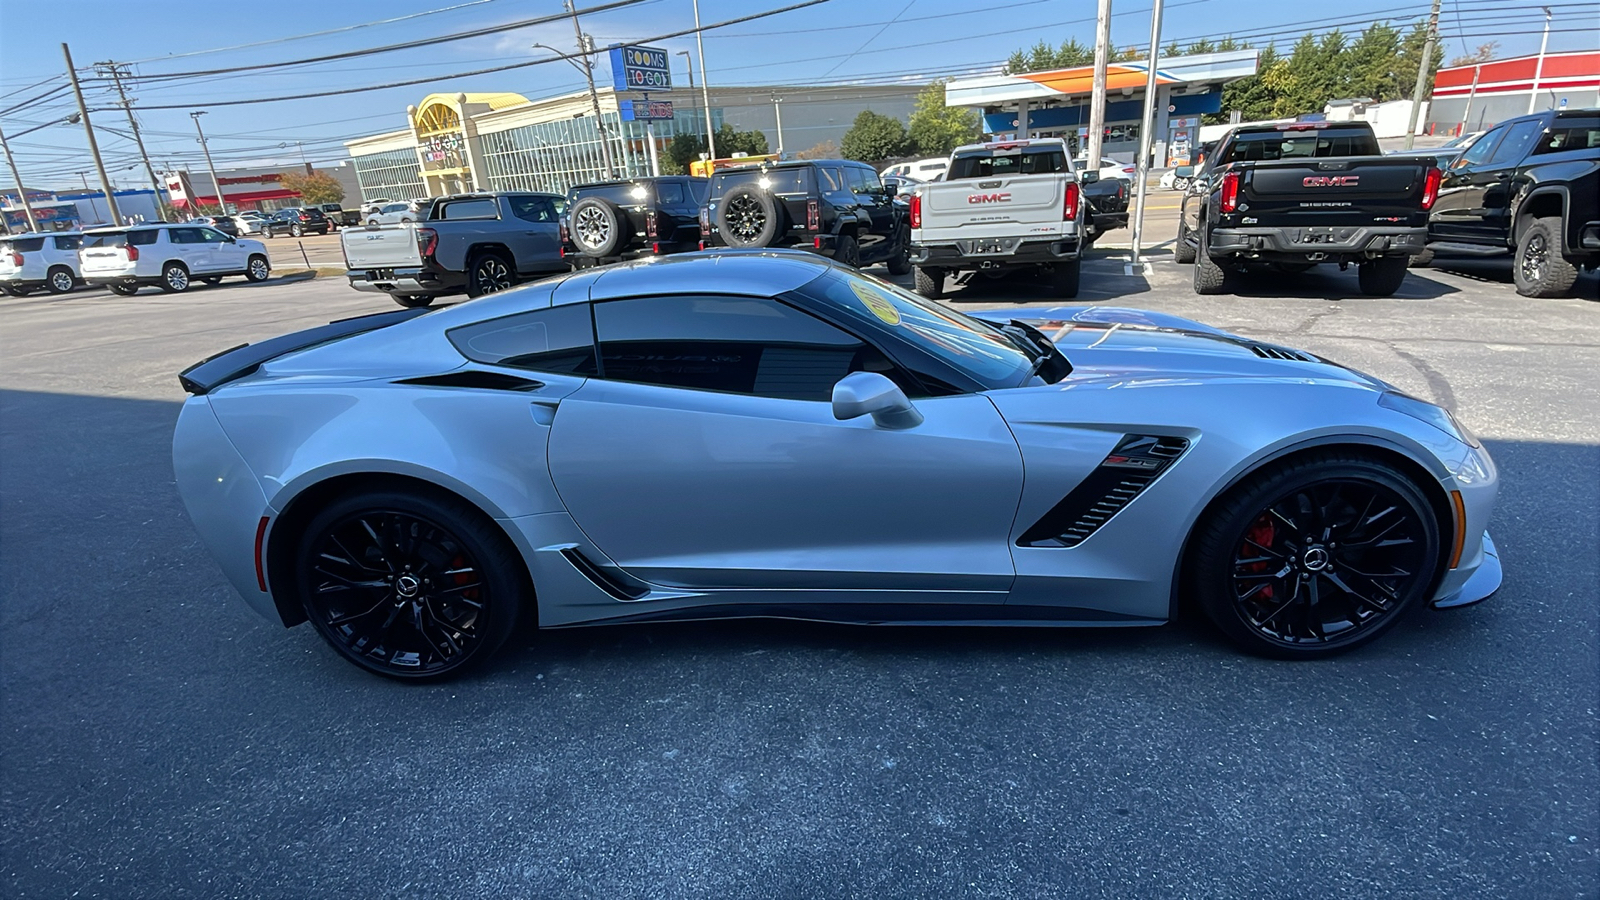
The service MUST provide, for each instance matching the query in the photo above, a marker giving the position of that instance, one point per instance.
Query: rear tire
(59, 280)
(296, 231)
(1064, 279)
(900, 262)
(928, 282)
(124, 290)
(596, 227)
(1308, 516)
(847, 252)
(1381, 277)
(413, 301)
(1182, 250)
(174, 278)
(1209, 278)
(414, 586)
(1420, 260)
(748, 217)
(1539, 269)
(490, 274)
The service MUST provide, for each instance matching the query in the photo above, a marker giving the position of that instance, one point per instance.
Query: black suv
(1530, 186)
(615, 220)
(296, 221)
(835, 207)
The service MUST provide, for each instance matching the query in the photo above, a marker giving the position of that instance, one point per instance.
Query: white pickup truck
(1002, 205)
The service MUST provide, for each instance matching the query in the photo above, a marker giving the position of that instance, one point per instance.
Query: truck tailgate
(1333, 191)
(381, 248)
(992, 207)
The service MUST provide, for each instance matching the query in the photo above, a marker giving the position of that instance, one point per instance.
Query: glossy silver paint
(704, 500)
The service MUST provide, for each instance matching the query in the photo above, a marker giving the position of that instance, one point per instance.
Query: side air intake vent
(485, 381)
(607, 579)
(1268, 351)
(1138, 460)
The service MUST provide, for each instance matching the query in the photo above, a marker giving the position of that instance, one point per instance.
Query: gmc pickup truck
(1288, 197)
(1002, 206)
(476, 243)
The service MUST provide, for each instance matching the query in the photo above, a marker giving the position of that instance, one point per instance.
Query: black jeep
(835, 207)
(615, 220)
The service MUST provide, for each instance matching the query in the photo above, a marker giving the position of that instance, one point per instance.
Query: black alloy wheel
(746, 219)
(408, 586)
(490, 274)
(1317, 558)
(847, 252)
(1538, 267)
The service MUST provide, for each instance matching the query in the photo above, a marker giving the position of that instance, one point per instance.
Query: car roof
(756, 272)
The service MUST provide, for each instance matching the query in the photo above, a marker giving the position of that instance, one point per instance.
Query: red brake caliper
(1263, 533)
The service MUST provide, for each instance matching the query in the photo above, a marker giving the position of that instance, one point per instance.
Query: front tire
(174, 278)
(1065, 278)
(1209, 278)
(1539, 268)
(928, 282)
(413, 586)
(900, 262)
(847, 252)
(296, 231)
(1315, 557)
(1383, 276)
(1182, 250)
(258, 268)
(413, 301)
(60, 280)
(490, 274)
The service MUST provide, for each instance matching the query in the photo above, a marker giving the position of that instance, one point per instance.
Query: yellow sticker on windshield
(876, 303)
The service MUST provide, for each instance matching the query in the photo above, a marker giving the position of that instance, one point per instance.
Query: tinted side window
(27, 245)
(1515, 146)
(467, 209)
(742, 345)
(532, 209)
(1480, 151)
(143, 238)
(858, 180)
(212, 236)
(186, 236)
(669, 194)
(69, 242)
(1568, 134)
(559, 339)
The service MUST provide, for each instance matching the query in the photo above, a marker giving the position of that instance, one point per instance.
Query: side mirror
(871, 394)
(891, 186)
(1184, 172)
(1089, 176)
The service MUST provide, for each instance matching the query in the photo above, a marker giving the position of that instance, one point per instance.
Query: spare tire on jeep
(597, 227)
(748, 216)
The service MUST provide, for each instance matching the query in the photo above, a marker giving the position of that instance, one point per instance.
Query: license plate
(1310, 236)
(981, 248)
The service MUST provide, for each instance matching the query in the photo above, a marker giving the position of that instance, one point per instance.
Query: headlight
(1437, 416)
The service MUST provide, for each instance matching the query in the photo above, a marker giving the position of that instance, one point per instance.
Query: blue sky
(836, 41)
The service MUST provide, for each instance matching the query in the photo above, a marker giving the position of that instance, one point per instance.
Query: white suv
(170, 257)
(393, 214)
(32, 261)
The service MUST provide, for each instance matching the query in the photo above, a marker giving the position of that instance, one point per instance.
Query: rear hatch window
(25, 245)
(999, 163)
(1303, 143)
(107, 239)
(795, 180)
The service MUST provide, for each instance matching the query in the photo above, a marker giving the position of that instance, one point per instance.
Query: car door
(876, 208)
(1458, 213)
(706, 456)
(188, 245)
(538, 244)
(226, 254)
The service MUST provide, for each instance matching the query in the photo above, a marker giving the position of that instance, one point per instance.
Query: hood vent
(1271, 351)
(1134, 465)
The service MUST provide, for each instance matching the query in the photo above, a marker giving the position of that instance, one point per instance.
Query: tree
(874, 137)
(1042, 57)
(824, 150)
(1483, 54)
(1411, 58)
(936, 129)
(686, 148)
(315, 188)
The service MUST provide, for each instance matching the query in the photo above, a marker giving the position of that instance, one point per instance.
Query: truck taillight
(16, 260)
(132, 251)
(1069, 206)
(650, 224)
(1230, 192)
(565, 235)
(705, 225)
(813, 216)
(916, 210)
(1430, 187)
(427, 241)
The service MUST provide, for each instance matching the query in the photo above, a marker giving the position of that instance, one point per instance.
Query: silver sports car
(771, 434)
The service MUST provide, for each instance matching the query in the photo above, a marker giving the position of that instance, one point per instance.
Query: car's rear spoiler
(236, 362)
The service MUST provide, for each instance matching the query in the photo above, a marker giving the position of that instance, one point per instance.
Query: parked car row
(1289, 197)
(169, 256)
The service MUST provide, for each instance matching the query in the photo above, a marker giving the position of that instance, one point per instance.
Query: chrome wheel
(395, 592)
(592, 227)
(60, 281)
(259, 270)
(1328, 562)
(745, 217)
(176, 278)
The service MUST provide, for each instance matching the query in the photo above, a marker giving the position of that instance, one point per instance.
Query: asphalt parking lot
(161, 741)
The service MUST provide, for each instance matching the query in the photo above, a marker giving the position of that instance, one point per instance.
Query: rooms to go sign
(640, 69)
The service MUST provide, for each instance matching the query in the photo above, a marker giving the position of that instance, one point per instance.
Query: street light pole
(693, 102)
(22, 191)
(1538, 73)
(222, 204)
(585, 47)
(94, 148)
(1147, 125)
(705, 85)
(777, 112)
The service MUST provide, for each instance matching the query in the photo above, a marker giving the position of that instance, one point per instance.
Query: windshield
(979, 349)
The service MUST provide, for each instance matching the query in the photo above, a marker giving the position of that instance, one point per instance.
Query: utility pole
(585, 47)
(705, 85)
(1422, 73)
(1097, 99)
(94, 148)
(1538, 73)
(689, 61)
(1148, 124)
(133, 123)
(222, 204)
(22, 191)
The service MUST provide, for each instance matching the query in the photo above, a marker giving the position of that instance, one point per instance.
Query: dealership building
(1477, 96)
(504, 141)
(1056, 103)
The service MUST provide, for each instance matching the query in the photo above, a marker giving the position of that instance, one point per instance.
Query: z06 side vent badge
(1138, 460)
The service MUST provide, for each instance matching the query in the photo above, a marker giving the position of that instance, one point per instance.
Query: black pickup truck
(1530, 186)
(836, 207)
(1291, 196)
(610, 221)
